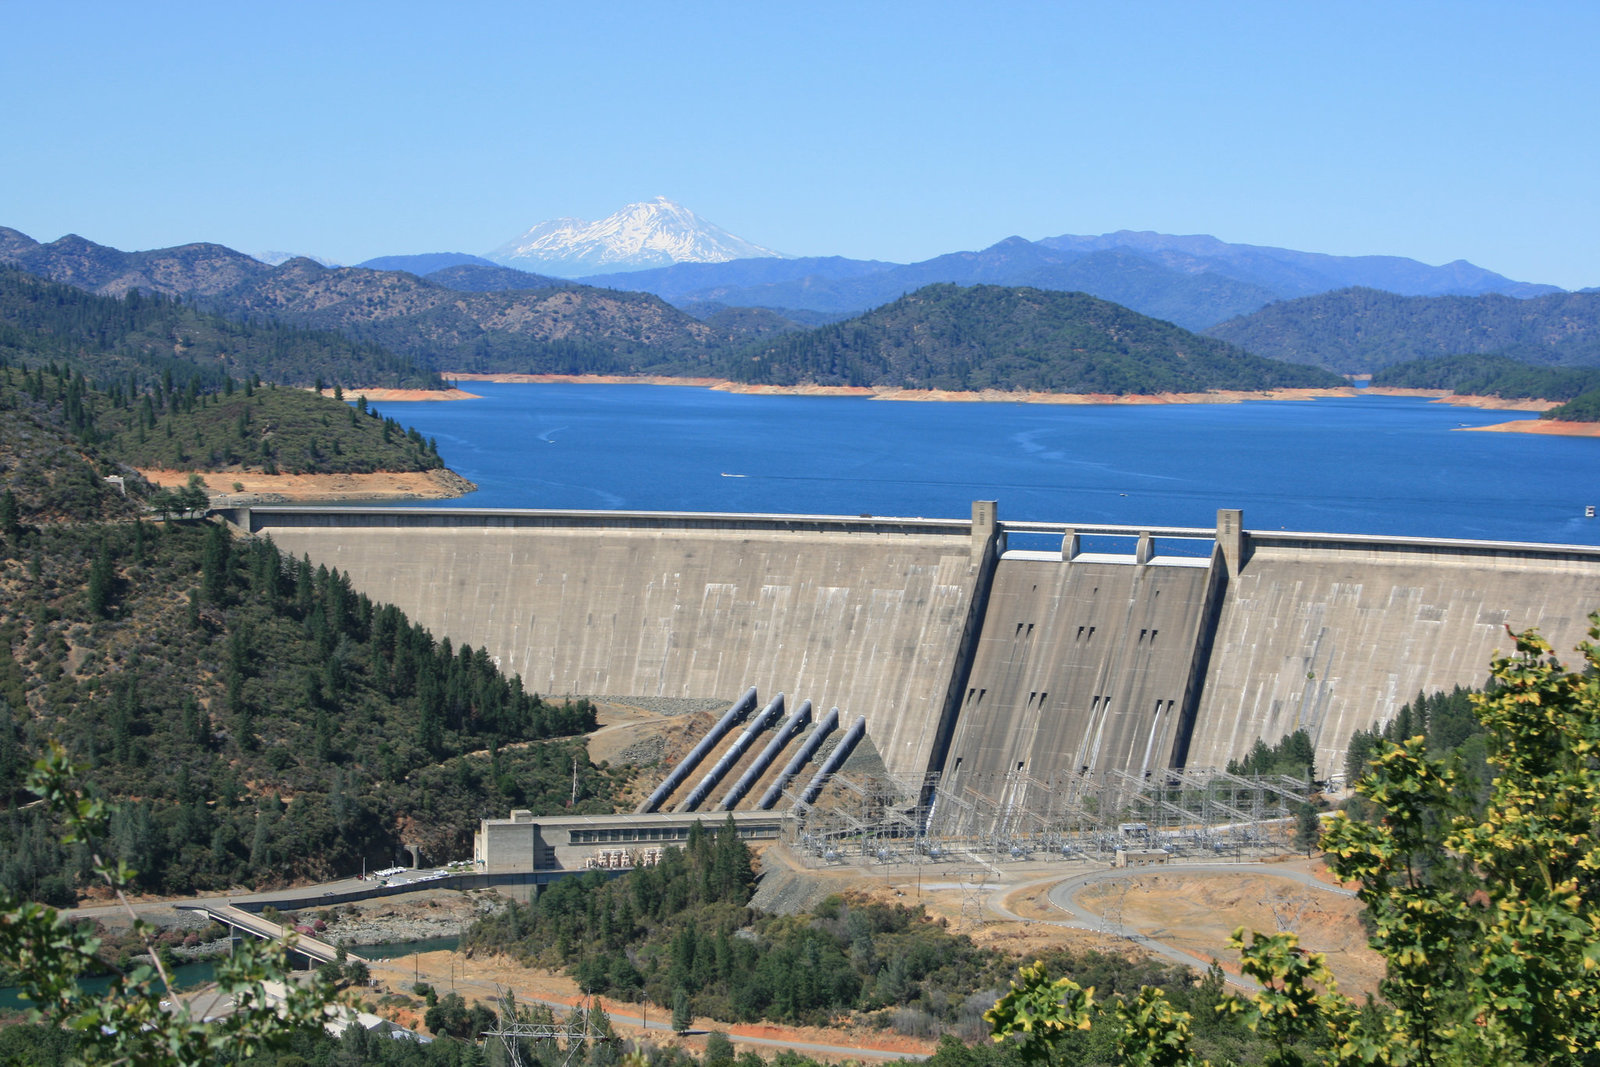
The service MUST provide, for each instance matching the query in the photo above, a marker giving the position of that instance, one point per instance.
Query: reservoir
(1363, 464)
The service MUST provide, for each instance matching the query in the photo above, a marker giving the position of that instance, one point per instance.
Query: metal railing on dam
(949, 644)
(265, 518)
(258, 518)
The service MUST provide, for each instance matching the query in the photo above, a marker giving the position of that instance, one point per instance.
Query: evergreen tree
(10, 516)
(682, 1020)
(101, 575)
(1307, 828)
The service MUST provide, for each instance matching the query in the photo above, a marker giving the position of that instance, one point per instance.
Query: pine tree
(1307, 828)
(10, 515)
(101, 575)
(214, 565)
(682, 1020)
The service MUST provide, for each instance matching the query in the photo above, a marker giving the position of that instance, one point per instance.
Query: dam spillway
(1082, 665)
(967, 658)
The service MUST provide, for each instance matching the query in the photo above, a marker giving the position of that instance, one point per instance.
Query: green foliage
(990, 337)
(1358, 330)
(126, 1023)
(1504, 376)
(452, 1018)
(1292, 755)
(682, 1017)
(151, 338)
(10, 515)
(46, 473)
(1037, 1012)
(1490, 374)
(718, 1048)
(1154, 1034)
(1583, 408)
(1449, 726)
(1307, 827)
(569, 329)
(1536, 948)
(271, 430)
(178, 703)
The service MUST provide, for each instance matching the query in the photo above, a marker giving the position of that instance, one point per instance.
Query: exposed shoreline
(388, 395)
(1548, 427)
(380, 487)
(950, 396)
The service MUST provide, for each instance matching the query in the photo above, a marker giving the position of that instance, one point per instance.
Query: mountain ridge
(469, 317)
(1195, 281)
(468, 329)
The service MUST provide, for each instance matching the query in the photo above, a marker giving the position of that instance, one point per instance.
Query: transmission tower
(973, 881)
(577, 1030)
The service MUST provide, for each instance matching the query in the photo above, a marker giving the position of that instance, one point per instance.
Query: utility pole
(574, 801)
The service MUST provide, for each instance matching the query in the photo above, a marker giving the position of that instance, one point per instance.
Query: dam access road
(977, 649)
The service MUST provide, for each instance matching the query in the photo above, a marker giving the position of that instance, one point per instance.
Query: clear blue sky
(875, 130)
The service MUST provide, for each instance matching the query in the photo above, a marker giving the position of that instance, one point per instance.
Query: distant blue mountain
(842, 287)
(426, 263)
(699, 282)
(1194, 281)
(1293, 273)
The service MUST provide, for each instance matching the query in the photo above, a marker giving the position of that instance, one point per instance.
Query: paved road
(422, 878)
(1063, 894)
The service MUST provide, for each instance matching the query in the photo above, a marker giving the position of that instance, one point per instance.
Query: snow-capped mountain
(657, 233)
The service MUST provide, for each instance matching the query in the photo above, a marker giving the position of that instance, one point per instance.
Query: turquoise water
(189, 975)
(1365, 464)
(184, 976)
(404, 948)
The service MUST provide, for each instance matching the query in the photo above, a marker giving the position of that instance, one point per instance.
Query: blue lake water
(1365, 464)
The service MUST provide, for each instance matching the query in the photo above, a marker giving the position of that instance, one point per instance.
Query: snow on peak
(654, 233)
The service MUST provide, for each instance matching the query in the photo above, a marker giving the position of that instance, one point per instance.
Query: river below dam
(1362, 464)
(198, 973)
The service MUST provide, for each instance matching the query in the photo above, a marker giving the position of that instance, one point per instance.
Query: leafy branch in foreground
(1507, 975)
(139, 1019)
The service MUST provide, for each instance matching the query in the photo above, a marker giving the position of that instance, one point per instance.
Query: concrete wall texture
(1079, 666)
(1334, 634)
(657, 606)
(963, 659)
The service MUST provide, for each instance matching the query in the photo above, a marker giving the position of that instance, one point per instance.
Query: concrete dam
(976, 649)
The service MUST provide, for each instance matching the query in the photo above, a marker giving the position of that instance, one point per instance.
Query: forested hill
(253, 718)
(153, 336)
(1577, 388)
(1354, 331)
(1014, 339)
(240, 427)
(46, 472)
(151, 382)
